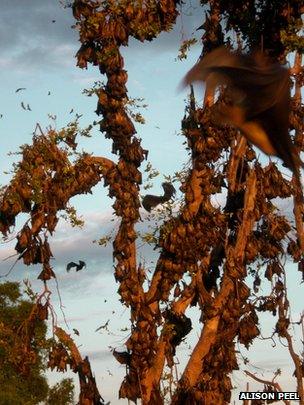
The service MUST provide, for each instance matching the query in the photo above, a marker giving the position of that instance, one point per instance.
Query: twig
(273, 384)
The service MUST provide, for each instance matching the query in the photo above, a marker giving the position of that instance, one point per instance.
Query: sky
(39, 54)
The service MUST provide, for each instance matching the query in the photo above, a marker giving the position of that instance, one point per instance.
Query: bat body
(79, 266)
(151, 201)
(258, 91)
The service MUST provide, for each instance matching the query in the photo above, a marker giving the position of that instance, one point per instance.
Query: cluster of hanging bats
(259, 105)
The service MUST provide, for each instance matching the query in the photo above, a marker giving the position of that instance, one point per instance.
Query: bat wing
(260, 83)
(259, 94)
(103, 326)
(168, 189)
(150, 201)
(81, 265)
(122, 357)
(263, 88)
(275, 121)
(70, 265)
(214, 67)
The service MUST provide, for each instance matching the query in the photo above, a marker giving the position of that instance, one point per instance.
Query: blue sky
(38, 54)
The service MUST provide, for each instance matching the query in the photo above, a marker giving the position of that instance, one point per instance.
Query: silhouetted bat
(259, 99)
(103, 326)
(79, 266)
(150, 201)
(122, 357)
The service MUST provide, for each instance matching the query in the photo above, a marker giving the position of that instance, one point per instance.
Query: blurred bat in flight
(258, 92)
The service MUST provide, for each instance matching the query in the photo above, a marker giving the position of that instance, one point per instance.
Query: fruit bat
(79, 266)
(150, 201)
(258, 91)
(122, 357)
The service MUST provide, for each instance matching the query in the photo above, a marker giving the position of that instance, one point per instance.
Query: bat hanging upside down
(259, 99)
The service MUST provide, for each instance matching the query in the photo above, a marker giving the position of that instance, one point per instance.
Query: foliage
(22, 377)
(61, 393)
(21, 373)
(184, 48)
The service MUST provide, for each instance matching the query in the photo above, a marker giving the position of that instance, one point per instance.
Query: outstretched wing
(260, 83)
(78, 266)
(70, 265)
(169, 190)
(259, 93)
(81, 265)
(150, 201)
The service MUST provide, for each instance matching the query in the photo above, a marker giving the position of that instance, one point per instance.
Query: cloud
(87, 80)
(23, 23)
(36, 57)
(74, 244)
(100, 355)
(94, 314)
(30, 39)
(273, 363)
(69, 244)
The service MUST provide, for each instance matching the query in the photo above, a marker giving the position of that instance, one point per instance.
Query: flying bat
(19, 89)
(150, 201)
(258, 91)
(103, 326)
(79, 266)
